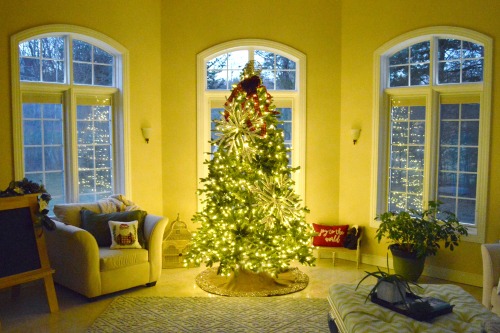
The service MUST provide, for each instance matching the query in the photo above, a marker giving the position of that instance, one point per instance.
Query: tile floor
(29, 311)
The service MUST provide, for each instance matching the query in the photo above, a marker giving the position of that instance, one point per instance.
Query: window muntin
(95, 150)
(278, 72)
(43, 60)
(44, 146)
(406, 166)
(91, 65)
(410, 66)
(109, 164)
(459, 61)
(473, 45)
(458, 158)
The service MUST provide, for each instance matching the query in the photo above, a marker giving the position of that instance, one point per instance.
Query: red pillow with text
(330, 235)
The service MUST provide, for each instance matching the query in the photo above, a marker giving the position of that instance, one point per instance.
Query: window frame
(296, 97)
(69, 91)
(432, 93)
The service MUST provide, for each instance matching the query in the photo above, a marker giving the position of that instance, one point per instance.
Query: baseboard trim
(432, 271)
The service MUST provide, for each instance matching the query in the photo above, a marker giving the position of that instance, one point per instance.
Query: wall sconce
(146, 133)
(355, 132)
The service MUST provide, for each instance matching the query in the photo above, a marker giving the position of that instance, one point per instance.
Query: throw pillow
(97, 224)
(124, 235)
(330, 235)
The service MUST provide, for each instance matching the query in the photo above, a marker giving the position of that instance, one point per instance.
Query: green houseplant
(414, 235)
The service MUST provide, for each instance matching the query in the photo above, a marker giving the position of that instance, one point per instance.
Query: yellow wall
(367, 25)
(188, 29)
(338, 38)
(137, 27)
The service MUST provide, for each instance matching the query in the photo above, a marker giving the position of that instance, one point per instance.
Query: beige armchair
(92, 271)
(491, 274)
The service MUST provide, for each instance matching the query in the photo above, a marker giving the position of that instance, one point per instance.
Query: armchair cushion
(114, 259)
(97, 224)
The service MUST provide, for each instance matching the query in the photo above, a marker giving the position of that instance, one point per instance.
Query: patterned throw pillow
(124, 235)
(330, 235)
(97, 224)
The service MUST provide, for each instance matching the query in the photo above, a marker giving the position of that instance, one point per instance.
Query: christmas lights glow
(252, 219)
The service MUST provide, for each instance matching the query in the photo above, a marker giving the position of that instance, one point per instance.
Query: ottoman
(353, 315)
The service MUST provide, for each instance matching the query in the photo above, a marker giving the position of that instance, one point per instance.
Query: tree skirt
(213, 315)
(249, 284)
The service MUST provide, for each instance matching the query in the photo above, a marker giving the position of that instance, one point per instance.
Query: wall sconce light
(355, 132)
(146, 133)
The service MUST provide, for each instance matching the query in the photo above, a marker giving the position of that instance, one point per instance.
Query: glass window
(60, 121)
(220, 67)
(433, 126)
(278, 72)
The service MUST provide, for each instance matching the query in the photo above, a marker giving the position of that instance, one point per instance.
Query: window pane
(449, 49)
(103, 75)
(267, 78)
(42, 60)
(468, 159)
(95, 153)
(459, 156)
(53, 48)
(407, 157)
(53, 158)
(398, 76)
(419, 74)
(472, 50)
(53, 132)
(449, 132)
(472, 71)
(44, 147)
(82, 51)
(469, 133)
(237, 60)
(447, 184)
(448, 158)
(29, 69)
(400, 57)
(420, 52)
(33, 160)
(284, 63)
(285, 80)
(265, 59)
(467, 185)
(399, 156)
(32, 132)
(449, 72)
(30, 48)
(466, 211)
(102, 57)
(460, 61)
(417, 132)
(92, 65)
(216, 80)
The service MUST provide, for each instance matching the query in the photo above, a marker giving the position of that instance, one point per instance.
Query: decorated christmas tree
(252, 219)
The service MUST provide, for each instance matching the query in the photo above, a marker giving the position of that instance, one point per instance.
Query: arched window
(69, 112)
(432, 123)
(283, 74)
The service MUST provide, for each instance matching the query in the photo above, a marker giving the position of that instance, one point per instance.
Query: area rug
(214, 314)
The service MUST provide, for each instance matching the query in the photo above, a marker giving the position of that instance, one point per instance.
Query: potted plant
(391, 288)
(415, 235)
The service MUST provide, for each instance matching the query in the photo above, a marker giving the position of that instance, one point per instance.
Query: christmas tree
(252, 219)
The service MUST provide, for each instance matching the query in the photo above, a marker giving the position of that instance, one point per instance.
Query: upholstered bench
(353, 315)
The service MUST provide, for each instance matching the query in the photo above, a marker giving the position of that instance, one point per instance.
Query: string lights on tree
(252, 219)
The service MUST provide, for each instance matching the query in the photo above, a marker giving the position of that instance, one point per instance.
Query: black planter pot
(406, 263)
